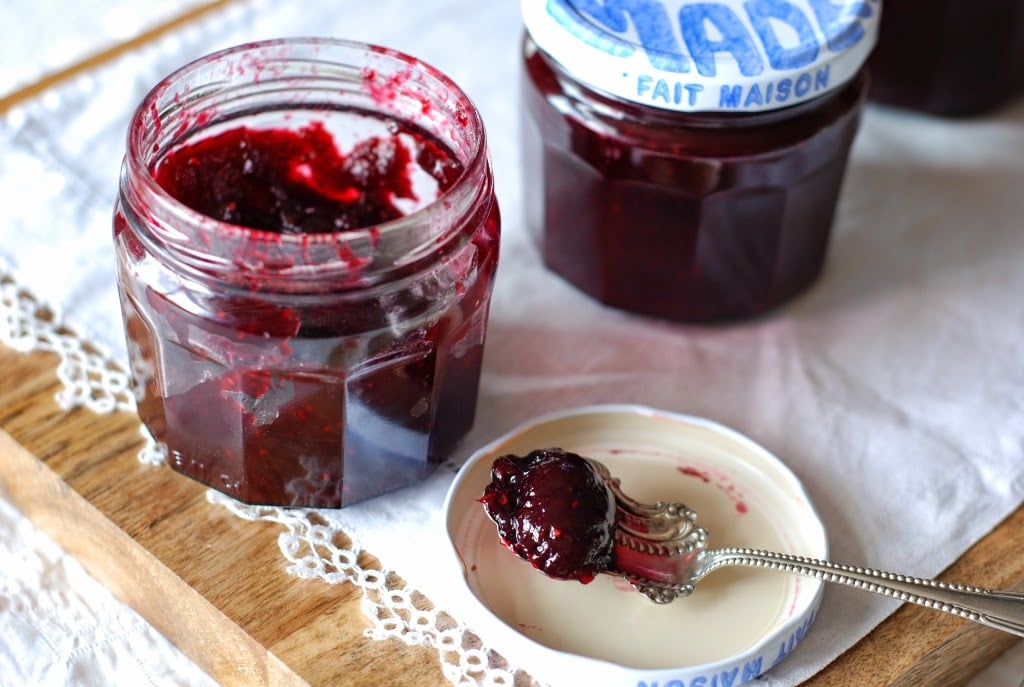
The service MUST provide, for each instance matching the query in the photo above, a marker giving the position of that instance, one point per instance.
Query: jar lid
(720, 56)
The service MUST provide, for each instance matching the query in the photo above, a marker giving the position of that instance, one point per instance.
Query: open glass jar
(684, 159)
(306, 235)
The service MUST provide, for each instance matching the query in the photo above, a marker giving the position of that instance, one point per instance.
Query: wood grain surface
(215, 584)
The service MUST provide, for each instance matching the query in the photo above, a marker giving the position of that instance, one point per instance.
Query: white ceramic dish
(736, 625)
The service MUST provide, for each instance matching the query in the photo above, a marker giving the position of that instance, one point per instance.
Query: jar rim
(264, 58)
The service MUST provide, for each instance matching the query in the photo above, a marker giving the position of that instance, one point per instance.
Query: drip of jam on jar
(553, 510)
(319, 403)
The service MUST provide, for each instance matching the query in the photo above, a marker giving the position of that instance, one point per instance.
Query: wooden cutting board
(215, 584)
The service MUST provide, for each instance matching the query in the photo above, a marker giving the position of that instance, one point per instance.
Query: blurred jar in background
(949, 57)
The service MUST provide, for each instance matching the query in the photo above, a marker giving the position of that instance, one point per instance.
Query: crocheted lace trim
(312, 546)
(89, 377)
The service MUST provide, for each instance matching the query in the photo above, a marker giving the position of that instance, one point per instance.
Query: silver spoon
(661, 550)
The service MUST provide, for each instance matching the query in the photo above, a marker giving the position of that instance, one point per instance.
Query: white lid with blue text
(707, 56)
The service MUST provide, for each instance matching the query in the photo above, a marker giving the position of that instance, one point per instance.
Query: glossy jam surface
(693, 218)
(553, 510)
(949, 57)
(297, 181)
(302, 397)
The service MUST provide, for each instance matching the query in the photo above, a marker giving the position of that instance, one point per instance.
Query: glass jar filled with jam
(683, 159)
(306, 237)
(949, 57)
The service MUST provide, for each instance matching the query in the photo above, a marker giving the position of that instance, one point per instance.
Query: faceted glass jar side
(949, 57)
(685, 216)
(306, 370)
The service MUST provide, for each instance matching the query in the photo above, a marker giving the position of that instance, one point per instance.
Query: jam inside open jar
(306, 236)
(684, 160)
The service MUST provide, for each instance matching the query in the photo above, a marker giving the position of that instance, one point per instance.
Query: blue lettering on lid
(763, 12)
(604, 24)
(653, 26)
(754, 97)
(821, 79)
(783, 90)
(697, 19)
(661, 91)
(840, 21)
(752, 669)
(729, 97)
(803, 85)
(563, 12)
(754, 54)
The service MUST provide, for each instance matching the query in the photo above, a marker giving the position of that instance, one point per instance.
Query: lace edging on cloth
(314, 549)
(88, 376)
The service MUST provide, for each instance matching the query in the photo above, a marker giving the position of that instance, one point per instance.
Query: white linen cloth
(894, 388)
(46, 36)
(59, 626)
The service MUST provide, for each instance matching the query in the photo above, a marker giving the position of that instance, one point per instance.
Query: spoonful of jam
(568, 517)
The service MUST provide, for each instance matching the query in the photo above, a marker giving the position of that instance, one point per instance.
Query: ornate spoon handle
(997, 609)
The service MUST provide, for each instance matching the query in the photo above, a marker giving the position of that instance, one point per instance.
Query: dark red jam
(949, 57)
(553, 510)
(322, 402)
(686, 216)
(306, 318)
(296, 181)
